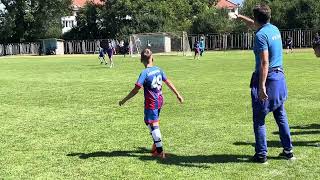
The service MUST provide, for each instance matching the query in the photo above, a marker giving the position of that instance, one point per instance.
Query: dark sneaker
(161, 155)
(287, 155)
(259, 159)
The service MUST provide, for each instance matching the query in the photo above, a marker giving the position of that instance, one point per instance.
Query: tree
(33, 19)
(290, 14)
(28, 20)
(123, 17)
(119, 18)
(212, 21)
(6, 26)
(89, 24)
(303, 14)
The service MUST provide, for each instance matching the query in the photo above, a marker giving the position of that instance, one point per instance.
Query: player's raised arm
(132, 93)
(174, 90)
(250, 22)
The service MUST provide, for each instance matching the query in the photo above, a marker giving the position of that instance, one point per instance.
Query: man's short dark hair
(145, 55)
(262, 13)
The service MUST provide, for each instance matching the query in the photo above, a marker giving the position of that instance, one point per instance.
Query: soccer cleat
(159, 155)
(259, 159)
(287, 155)
(154, 148)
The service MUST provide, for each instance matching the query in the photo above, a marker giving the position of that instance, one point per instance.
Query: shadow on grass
(110, 154)
(301, 132)
(278, 144)
(97, 66)
(100, 67)
(309, 126)
(311, 129)
(200, 161)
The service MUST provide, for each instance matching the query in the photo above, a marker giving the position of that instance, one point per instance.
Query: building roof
(226, 4)
(81, 3)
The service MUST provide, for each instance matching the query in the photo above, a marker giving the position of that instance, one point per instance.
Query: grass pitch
(60, 119)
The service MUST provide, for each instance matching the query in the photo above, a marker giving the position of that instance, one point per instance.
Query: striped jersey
(151, 80)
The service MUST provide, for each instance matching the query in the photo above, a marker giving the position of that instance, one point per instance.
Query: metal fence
(19, 49)
(245, 40)
(301, 39)
(81, 47)
(225, 41)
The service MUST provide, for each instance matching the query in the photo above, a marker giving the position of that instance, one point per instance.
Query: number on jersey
(157, 82)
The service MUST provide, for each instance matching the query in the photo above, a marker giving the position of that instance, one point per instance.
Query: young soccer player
(196, 47)
(202, 45)
(316, 45)
(289, 44)
(316, 39)
(151, 79)
(101, 56)
(110, 52)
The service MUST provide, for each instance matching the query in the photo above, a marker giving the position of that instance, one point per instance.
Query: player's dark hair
(145, 55)
(262, 13)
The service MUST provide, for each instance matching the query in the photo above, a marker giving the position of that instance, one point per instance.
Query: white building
(68, 22)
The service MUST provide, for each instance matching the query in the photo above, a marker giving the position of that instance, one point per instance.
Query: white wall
(1, 6)
(167, 44)
(60, 48)
(68, 22)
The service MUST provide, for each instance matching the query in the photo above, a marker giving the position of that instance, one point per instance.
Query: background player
(196, 48)
(316, 44)
(289, 44)
(202, 45)
(151, 79)
(101, 56)
(110, 52)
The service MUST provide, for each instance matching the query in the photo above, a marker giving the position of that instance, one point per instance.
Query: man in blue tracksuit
(268, 84)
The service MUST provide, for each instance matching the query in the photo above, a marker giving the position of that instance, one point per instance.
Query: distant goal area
(165, 43)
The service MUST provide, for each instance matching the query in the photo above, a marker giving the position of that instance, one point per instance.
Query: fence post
(300, 38)
(83, 44)
(226, 41)
(4, 49)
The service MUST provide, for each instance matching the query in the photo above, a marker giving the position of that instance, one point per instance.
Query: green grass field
(60, 119)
